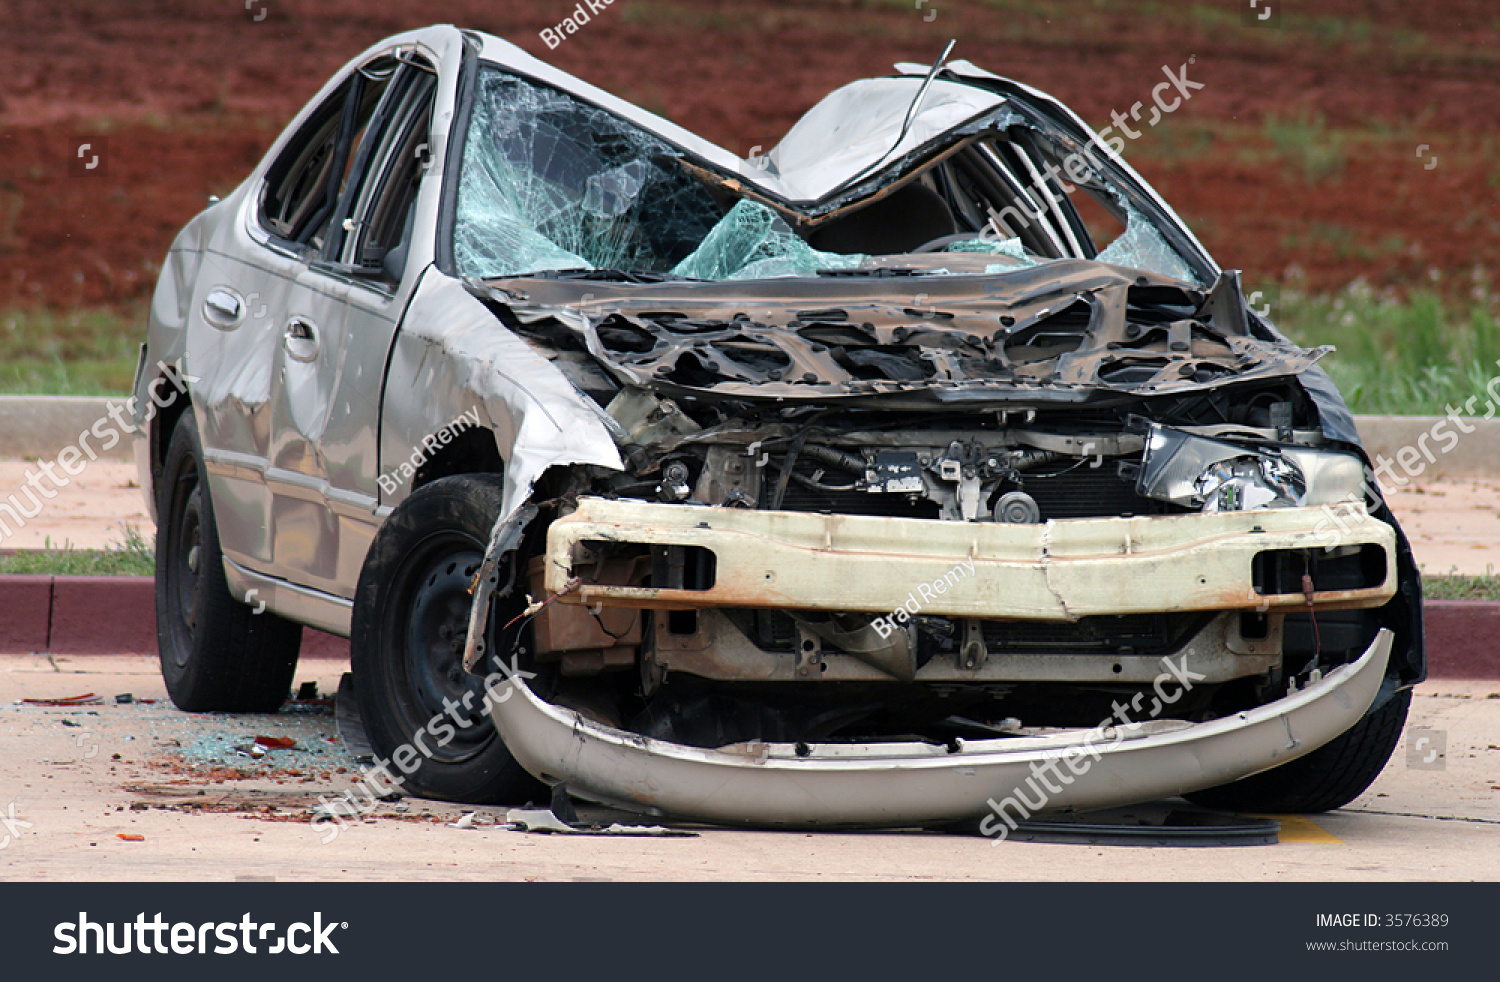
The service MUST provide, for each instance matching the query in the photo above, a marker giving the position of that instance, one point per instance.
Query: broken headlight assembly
(1218, 475)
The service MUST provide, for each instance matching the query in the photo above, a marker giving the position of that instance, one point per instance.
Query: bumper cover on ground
(886, 785)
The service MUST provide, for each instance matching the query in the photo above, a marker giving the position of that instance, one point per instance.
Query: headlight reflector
(1217, 475)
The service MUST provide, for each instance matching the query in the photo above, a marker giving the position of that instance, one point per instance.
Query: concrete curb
(116, 615)
(1416, 445)
(40, 426)
(99, 615)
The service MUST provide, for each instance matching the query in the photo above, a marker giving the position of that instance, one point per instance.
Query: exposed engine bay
(859, 411)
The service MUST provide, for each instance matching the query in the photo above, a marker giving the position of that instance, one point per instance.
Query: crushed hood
(1067, 331)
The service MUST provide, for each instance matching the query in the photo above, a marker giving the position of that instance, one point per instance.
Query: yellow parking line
(1299, 828)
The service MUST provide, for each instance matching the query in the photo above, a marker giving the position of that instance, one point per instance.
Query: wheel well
(471, 452)
(162, 426)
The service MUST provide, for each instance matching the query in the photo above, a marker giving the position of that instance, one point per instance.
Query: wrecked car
(839, 486)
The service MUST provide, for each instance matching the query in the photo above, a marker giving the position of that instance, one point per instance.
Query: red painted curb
(110, 615)
(1463, 639)
(100, 615)
(25, 608)
(103, 615)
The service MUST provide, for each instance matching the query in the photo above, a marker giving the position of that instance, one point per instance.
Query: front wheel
(422, 712)
(1328, 778)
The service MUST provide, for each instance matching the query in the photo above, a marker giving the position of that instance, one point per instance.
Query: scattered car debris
(87, 699)
(536, 820)
(542, 820)
(337, 808)
(275, 743)
(124, 698)
(131, 837)
(466, 822)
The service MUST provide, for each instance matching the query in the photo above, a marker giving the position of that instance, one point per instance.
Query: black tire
(217, 654)
(411, 614)
(1329, 777)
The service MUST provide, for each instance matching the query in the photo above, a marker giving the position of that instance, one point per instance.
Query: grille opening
(1139, 634)
(1279, 571)
(672, 567)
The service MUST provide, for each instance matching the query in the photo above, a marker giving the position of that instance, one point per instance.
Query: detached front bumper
(888, 785)
(1055, 571)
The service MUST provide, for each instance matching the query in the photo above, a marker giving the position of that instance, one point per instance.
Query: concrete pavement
(82, 776)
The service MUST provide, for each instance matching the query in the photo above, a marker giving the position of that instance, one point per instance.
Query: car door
(344, 309)
(249, 300)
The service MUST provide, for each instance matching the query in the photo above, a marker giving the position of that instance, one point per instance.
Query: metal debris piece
(338, 808)
(87, 699)
(536, 820)
(542, 820)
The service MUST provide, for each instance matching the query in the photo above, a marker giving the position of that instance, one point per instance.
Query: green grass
(1412, 357)
(132, 557)
(82, 353)
(1454, 586)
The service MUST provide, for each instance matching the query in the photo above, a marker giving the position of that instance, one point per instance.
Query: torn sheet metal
(850, 785)
(1063, 331)
(457, 355)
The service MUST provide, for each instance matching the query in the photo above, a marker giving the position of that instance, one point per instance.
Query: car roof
(850, 131)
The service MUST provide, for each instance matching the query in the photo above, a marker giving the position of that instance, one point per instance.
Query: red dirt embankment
(182, 98)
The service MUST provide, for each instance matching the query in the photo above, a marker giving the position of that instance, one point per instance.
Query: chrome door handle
(301, 339)
(223, 307)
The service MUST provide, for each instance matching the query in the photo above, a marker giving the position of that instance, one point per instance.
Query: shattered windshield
(550, 183)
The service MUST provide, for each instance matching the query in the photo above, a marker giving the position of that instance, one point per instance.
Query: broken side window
(1141, 246)
(1010, 189)
(551, 183)
(1098, 211)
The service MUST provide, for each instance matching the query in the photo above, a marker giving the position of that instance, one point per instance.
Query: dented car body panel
(882, 439)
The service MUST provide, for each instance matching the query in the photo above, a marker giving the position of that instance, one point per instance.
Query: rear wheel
(1329, 777)
(217, 654)
(421, 710)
